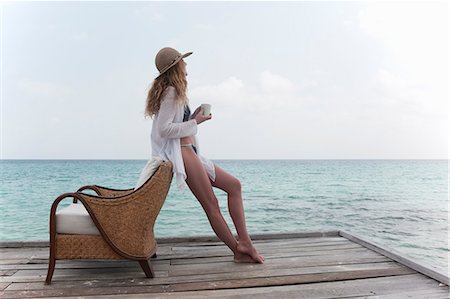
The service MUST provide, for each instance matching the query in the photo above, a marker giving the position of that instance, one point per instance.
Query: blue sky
(290, 80)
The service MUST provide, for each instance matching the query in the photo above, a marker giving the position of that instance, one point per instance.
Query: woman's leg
(198, 181)
(232, 186)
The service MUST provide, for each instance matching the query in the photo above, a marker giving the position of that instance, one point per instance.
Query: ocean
(400, 204)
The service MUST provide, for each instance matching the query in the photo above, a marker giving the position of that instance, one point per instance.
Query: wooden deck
(328, 264)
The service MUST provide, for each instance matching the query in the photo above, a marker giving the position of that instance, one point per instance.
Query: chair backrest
(127, 221)
(149, 169)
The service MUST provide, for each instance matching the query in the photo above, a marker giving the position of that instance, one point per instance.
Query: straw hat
(168, 57)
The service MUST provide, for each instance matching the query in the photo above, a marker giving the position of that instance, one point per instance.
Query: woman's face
(183, 66)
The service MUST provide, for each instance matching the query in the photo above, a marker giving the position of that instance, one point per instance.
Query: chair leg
(147, 267)
(51, 269)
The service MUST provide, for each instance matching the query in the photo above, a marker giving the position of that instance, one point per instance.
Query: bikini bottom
(191, 145)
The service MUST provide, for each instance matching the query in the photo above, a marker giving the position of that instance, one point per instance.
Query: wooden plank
(218, 268)
(335, 289)
(83, 264)
(221, 267)
(210, 285)
(267, 241)
(4, 285)
(7, 272)
(229, 257)
(266, 252)
(272, 246)
(88, 273)
(42, 253)
(216, 249)
(183, 259)
(261, 270)
(265, 276)
(421, 267)
(19, 244)
(415, 284)
(23, 253)
(254, 237)
(428, 294)
(42, 264)
(12, 262)
(37, 253)
(283, 256)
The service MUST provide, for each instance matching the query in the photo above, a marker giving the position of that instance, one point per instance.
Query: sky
(286, 80)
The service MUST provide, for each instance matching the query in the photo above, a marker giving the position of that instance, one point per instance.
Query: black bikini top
(187, 113)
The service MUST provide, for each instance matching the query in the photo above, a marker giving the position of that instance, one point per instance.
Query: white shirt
(168, 127)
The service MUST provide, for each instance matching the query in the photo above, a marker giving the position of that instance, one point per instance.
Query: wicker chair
(124, 218)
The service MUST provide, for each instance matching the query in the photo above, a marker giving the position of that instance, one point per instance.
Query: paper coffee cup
(206, 109)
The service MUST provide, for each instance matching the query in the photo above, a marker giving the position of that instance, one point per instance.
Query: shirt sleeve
(167, 111)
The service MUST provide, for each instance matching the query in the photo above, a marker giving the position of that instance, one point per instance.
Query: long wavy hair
(172, 77)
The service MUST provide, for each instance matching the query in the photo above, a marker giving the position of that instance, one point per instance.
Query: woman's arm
(166, 114)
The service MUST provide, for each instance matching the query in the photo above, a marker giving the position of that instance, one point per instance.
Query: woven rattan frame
(125, 219)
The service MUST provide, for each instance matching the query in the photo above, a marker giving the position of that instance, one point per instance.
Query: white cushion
(149, 169)
(75, 220)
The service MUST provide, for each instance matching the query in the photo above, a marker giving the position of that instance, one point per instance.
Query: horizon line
(242, 159)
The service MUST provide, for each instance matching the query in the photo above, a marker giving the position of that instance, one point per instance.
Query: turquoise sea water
(401, 204)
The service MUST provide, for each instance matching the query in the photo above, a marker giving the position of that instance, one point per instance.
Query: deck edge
(402, 258)
(199, 238)
(257, 236)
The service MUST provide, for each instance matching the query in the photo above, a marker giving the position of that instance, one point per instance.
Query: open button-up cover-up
(168, 127)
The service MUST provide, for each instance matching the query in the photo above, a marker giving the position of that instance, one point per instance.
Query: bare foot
(248, 249)
(242, 258)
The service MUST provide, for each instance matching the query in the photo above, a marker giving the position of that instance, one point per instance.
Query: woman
(174, 138)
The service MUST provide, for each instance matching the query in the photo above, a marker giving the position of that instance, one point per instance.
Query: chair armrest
(104, 191)
(53, 218)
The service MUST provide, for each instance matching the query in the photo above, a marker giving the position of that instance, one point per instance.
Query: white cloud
(307, 84)
(272, 83)
(274, 94)
(249, 115)
(224, 94)
(402, 97)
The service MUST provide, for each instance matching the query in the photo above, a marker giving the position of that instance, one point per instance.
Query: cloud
(224, 94)
(274, 93)
(393, 94)
(272, 83)
(42, 88)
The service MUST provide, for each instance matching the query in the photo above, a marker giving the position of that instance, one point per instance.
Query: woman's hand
(199, 117)
(196, 112)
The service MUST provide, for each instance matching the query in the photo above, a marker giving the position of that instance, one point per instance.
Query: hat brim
(175, 62)
(186, 54)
